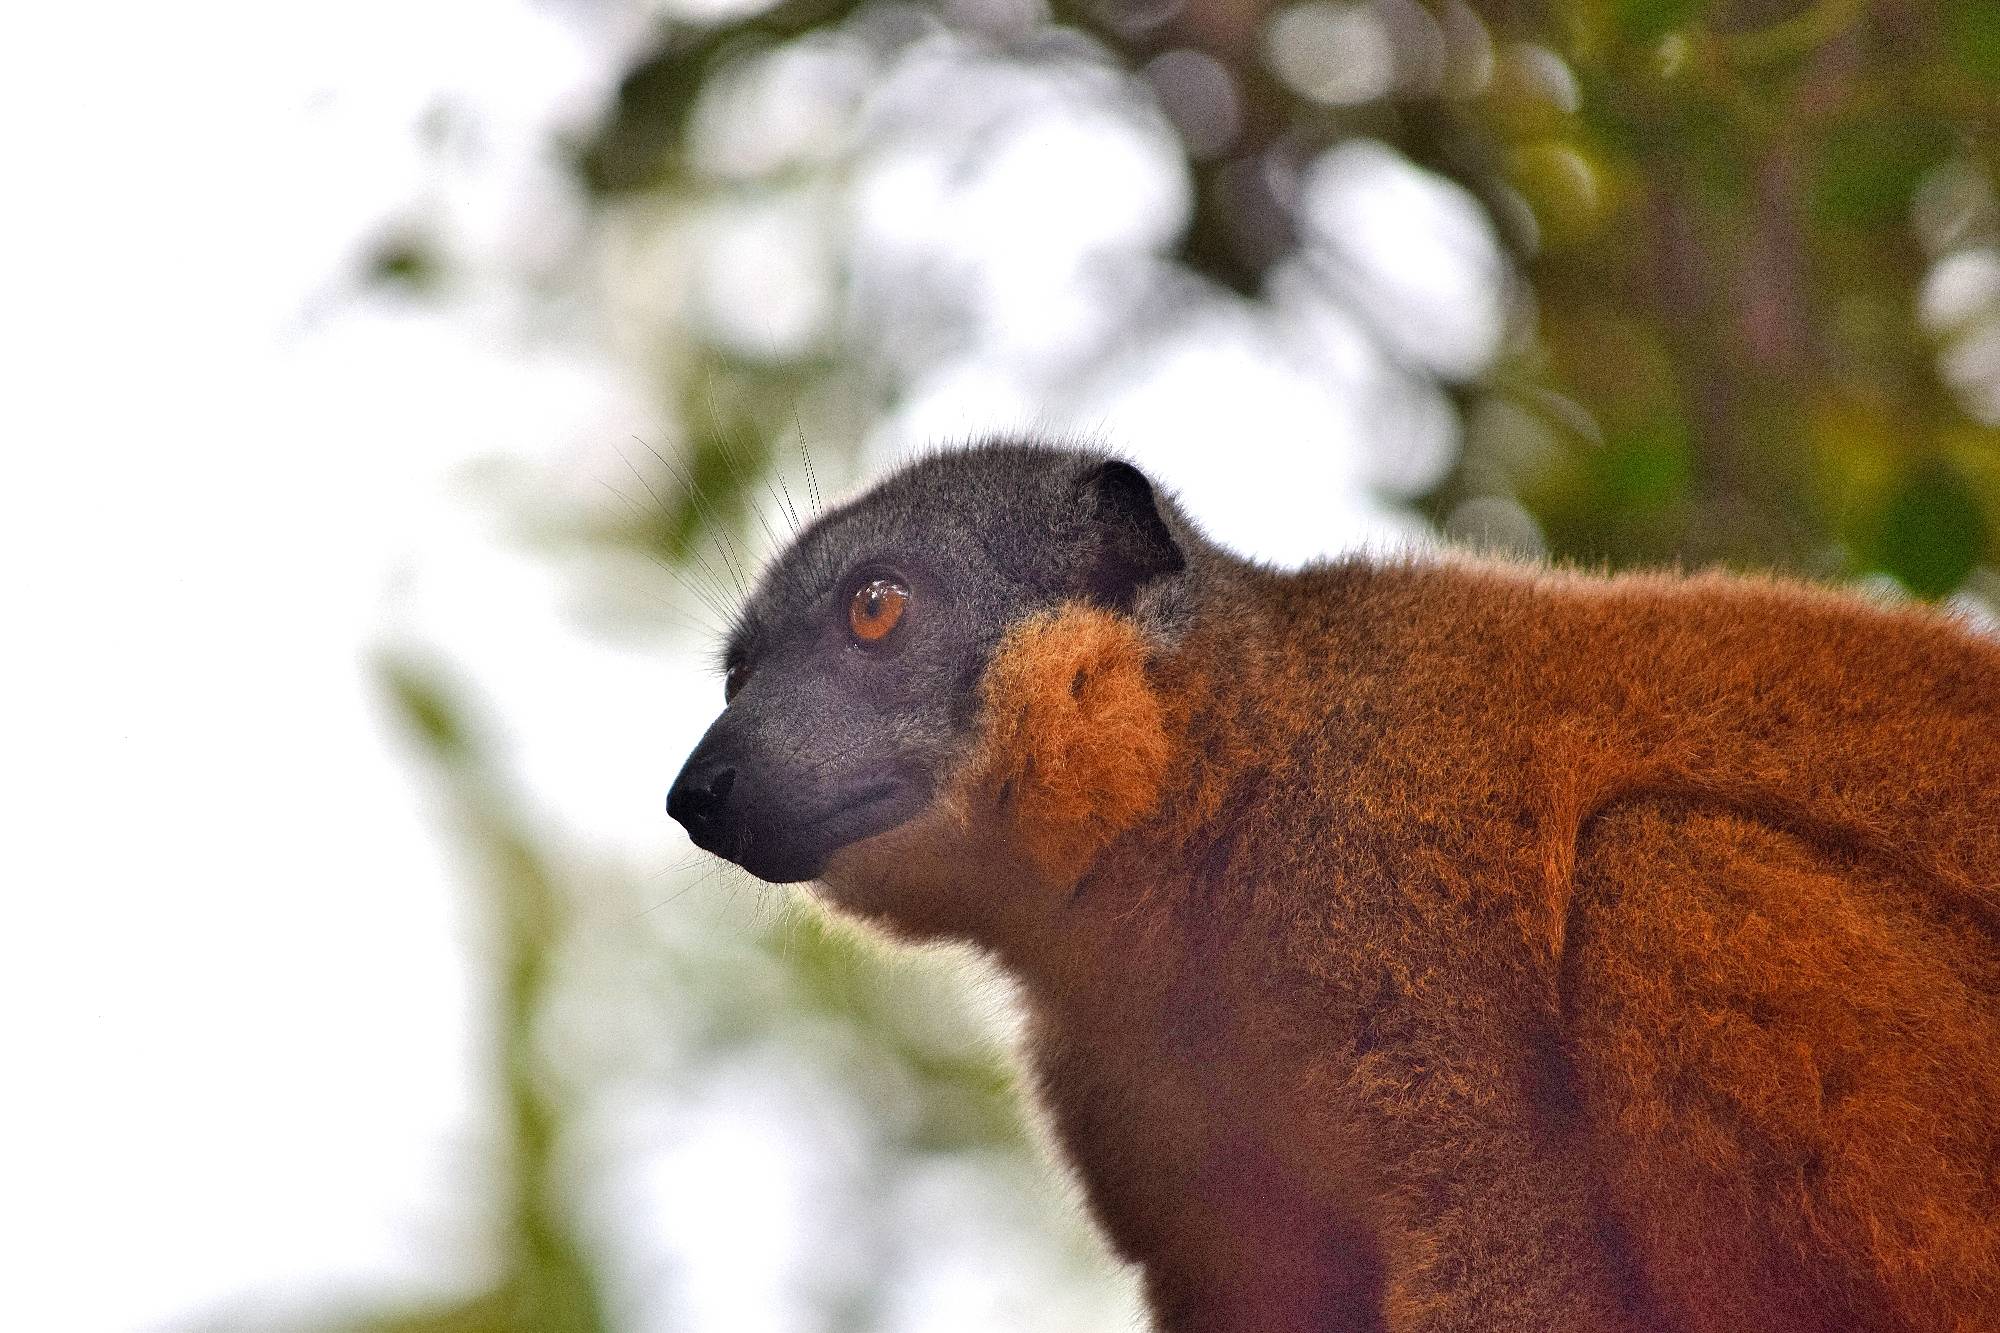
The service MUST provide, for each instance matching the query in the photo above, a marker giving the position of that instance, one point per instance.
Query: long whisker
(703, 593)
(812, 477)
(731, 558)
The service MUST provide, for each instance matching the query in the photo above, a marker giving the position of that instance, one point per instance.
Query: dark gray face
(854, 668)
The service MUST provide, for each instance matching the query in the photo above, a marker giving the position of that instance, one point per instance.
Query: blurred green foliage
(1722, 219)
(548, 1283)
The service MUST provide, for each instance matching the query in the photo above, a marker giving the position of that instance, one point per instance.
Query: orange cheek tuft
(1074, 748)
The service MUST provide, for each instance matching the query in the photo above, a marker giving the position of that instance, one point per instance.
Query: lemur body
(1436, 946)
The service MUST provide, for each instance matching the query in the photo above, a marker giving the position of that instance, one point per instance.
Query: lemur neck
(1125, 765)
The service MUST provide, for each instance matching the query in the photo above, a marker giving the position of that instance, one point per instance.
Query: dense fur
(1451, 946)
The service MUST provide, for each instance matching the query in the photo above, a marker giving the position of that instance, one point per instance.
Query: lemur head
(860, 671)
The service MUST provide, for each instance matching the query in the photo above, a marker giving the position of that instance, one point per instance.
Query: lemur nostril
(698, 799)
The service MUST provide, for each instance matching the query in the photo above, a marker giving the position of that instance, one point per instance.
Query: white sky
(231, 984)
(233, 999)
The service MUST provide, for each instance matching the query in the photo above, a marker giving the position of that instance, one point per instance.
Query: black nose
(699, 799)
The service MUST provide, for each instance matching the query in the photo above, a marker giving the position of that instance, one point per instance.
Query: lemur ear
(1134, 546)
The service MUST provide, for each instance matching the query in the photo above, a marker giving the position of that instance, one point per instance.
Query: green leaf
(1972, 31)
(423, 703)
(1869, 167)
(1650, 467)
(1645, 21)
(1932, 530)
(405, 260)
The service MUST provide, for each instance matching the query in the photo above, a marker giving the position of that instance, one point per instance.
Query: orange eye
(877, 606)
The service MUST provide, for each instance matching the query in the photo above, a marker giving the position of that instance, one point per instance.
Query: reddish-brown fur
(1458, 947)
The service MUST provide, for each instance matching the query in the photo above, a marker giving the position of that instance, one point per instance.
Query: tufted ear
(1134, 545)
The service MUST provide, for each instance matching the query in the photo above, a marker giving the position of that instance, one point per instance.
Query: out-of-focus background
(397, 397)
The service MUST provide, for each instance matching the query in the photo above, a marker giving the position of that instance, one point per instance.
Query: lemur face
(854, 668)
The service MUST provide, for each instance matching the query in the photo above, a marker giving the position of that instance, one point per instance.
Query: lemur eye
(731, 683)
(875, 608)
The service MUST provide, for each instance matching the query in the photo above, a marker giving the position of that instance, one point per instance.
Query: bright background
(358, 604)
